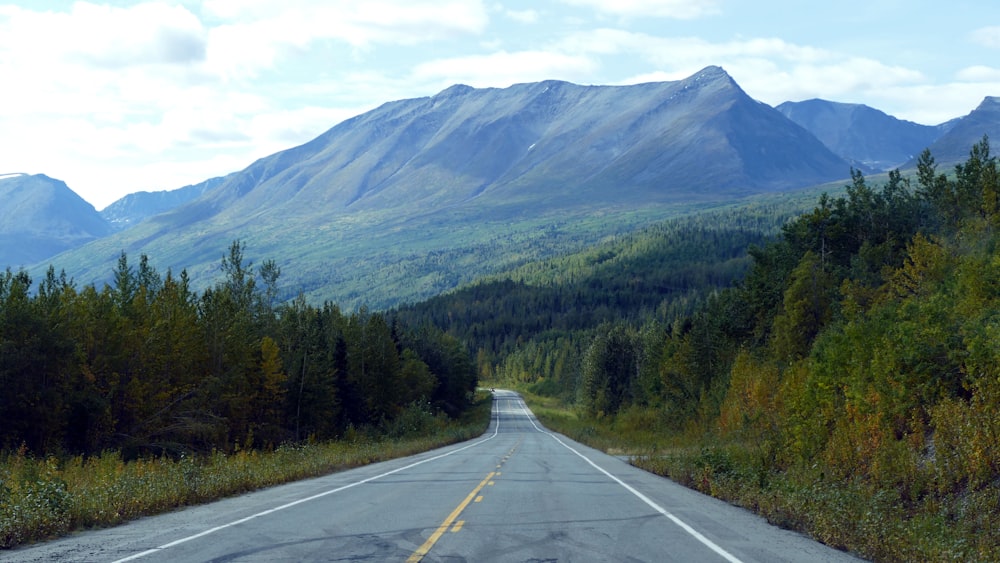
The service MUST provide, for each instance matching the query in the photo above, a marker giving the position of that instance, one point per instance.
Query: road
(518, 493)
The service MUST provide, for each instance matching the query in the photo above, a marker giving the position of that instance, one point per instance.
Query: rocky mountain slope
(953, 146)
(513, 173)
(868, 138)
(139, 206)
(40, 217)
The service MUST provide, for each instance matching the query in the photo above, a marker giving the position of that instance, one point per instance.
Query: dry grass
(45, 498)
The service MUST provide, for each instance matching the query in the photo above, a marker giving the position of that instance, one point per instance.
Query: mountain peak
(953, 146)
(867, 137)
(454, 91)
(990, 104)
(711, 78)
(711, 73)
(40, 217)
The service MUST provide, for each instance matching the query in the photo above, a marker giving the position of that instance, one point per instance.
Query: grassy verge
(874, 522)
(633, 433)
(44, 498)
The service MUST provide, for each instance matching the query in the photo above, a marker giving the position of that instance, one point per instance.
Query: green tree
(610, 367)
(807, 308)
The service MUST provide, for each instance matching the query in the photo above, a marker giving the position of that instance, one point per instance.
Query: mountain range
(866, 137)
(420, 195)
(139, 206)
(41, 217)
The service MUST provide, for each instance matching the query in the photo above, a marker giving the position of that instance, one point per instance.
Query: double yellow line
(424, 549)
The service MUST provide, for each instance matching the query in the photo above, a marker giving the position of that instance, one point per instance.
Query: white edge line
(141, 554)
(684, 526)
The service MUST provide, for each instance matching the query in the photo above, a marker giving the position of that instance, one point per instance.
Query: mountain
(139, 206)
(419, 195)
(868, 138)
(503, 145)
(41, 217)
(953, 147)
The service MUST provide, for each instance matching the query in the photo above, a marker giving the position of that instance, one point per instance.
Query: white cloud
(502, 68)
(979, 73)
(522, 16)
(987, 37)
(676, 9)
(116, 96)
(769, 69)
(357, 23)
(258, 34)
(105, 36)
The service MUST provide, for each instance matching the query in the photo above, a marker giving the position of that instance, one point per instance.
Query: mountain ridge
(467, 171)
(139, 206)
(42, 216)
(868, 138)
(953, 146)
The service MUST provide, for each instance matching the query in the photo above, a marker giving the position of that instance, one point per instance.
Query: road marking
(684, 526)
(458, 526)
(174, 543)
(479, 498)
(422, 550)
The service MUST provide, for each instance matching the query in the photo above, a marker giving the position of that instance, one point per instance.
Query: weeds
(44, 498)
(873, 519)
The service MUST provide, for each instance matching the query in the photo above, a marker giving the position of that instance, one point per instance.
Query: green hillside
(846, 383)
(663, 271)
(828, 360)
(419, 196)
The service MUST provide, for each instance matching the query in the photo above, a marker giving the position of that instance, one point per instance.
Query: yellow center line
(424, 549)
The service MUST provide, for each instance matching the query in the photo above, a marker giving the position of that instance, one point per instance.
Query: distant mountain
(868, 138)
(953, 147)
(40, 217)
(418, 195)
(595, 144)
(139, 206)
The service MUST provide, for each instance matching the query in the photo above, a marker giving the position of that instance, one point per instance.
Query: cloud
(978, 73)
(93, 86)
(105, 36)
(769, 69)
(502, 68)
(986, 37)
(687, 53)
(256, 35)
(522, 16)
(676, 9)
(356, 23)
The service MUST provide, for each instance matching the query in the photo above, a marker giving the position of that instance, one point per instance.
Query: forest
(531, 325)
(855, 355)
(147, 367)
(848, 346)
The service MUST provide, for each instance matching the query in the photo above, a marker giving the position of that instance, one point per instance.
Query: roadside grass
(45, 498)
(874, 522)
(633, 433)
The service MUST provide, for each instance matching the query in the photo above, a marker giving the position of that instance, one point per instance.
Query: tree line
(529, 323)
(147, 366)
(861, 344)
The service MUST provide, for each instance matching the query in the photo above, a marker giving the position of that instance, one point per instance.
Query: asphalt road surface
(518, 493)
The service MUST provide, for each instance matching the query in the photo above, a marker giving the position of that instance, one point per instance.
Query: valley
(690, 274)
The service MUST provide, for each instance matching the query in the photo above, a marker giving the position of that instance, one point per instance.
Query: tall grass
(868, 519)
(44, 498)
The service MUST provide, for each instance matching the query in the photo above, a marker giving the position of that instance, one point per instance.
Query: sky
(116, 97)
